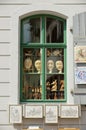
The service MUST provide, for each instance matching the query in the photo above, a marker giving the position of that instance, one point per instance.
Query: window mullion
(43, 73)
(43, 30)
(43, 57)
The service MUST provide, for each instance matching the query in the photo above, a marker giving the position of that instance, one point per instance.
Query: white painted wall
(10, 13)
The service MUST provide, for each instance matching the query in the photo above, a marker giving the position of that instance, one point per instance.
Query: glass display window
(43, 59)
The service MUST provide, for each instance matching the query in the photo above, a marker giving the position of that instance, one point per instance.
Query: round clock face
(28, 63)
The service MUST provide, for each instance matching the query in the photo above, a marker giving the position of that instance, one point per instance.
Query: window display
(55, 77)
(42, 64)
(32, 86)
(55, 87)
(55, 59)
(32, 69)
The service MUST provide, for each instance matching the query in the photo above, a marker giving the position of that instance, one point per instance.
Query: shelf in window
(61, 90)
(55, 73)
(58, 91)
(32, 73)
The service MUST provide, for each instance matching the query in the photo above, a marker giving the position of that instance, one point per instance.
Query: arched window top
(47, 27)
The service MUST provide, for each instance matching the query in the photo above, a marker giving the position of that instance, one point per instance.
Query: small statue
(54, 85)
(61, 85)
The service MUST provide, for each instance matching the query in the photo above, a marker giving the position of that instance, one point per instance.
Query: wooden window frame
(43, 46)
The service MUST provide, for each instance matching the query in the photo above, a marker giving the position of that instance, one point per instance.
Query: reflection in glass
(55, 86)
(32, 87)
(54, 30)
(31, 31)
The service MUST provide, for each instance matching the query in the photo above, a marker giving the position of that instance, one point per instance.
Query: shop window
(43, 59)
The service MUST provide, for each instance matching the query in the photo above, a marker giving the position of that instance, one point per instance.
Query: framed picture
(33, 111)
(80, 75)
(33, 129)
(69, 111)
(15, 114)
(51, 114)
(69, 129)
(80, 54)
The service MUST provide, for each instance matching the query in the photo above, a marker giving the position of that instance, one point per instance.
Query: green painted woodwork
(43, 46)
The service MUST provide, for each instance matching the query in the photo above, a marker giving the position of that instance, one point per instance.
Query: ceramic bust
(38, 65)
(59, 66)
(50, 66)
(28, 64)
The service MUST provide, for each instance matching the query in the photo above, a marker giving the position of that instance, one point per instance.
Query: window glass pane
(32, 73)
(55, 86)
(55, 60)
(54, 73)
(31, 30)
(54, 30)
(32, 60)
(32, 86)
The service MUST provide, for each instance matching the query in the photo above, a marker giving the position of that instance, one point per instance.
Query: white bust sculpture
(59, 66)
(50, 65)
(38, 65)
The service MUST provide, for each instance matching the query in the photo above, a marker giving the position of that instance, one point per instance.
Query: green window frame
(39, 42)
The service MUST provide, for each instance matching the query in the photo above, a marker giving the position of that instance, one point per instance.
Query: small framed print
(15, 114)
(80, 54)
(33, 128)
(80, 75)
(69, 111)
(69, 129)
(33, 111)
(51, 114)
